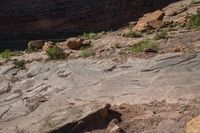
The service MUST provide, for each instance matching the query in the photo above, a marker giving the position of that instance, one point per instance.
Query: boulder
(47, 45)
(193, 126)
(72, 119)
(74, 42)
(153, 20)
(35, 45)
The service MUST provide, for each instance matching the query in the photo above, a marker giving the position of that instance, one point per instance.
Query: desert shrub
(87, 53)
(132, 34)
(194, 21)
(195, 2)
(91, 36)
(6, 54)
(55, 53)
(161, 35)
(147, 43)
(20, 64)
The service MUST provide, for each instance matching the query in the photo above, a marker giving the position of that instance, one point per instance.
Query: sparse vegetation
(87, 53)
(195, 2)
(20, 64)
(91, 36)
(31, 49)
(7, 54)
(147, 43)
(161, 35)
(194, 21)
(132, 34)
(55, 53)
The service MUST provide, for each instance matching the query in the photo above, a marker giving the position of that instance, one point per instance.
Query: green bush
(131, 33)
(147, 43)
(161, 35)
(91, 36)
(194, 21)
(20, 64)
(6, 54)
(87, 53)
(55, 53)
(195, 2)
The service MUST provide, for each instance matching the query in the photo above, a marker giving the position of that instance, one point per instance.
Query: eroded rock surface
(46, 87)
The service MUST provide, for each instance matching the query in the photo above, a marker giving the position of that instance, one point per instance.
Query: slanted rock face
(193, 126)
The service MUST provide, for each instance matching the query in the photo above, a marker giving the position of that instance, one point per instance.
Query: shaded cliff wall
(43, 19)
(70, 15)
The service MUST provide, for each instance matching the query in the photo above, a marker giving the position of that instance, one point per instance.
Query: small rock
(149, 50)
(153, 20)
(74, 43)
(47, 45)
(62, 45)
(156, 24)
(35, 45)
(115, 129)
(86, 42)
(177, 49)
(193, 126)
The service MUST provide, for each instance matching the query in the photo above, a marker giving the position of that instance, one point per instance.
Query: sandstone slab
(193, 126)
(153, 20)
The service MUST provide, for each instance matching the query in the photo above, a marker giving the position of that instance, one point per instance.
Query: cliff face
(39, 19)
(78, 15)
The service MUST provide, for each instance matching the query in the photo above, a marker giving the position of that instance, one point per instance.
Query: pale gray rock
(5, 85)
(52, 86)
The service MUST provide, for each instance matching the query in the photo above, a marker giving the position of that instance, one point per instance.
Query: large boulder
(193, 126)
(36, 44)
(74, 42)
(152, 20)
(71, 119)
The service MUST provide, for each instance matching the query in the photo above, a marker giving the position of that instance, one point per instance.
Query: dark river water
(13, 45)
(19, 45)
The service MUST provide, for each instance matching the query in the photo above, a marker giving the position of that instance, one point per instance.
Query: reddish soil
(151, 118)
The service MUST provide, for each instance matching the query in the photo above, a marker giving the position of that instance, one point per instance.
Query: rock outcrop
(151, 20)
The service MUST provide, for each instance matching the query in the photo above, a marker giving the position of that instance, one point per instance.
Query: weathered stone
(70, 119)
(193, 126)
(62, 45)
(153, 20)
(74, 43)
(182, 20)
(34, 70)
(149, 50)
(156, 24)
(35, 45)
(86, 42)
(115, 129)
(5, 85)
(47, 45)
